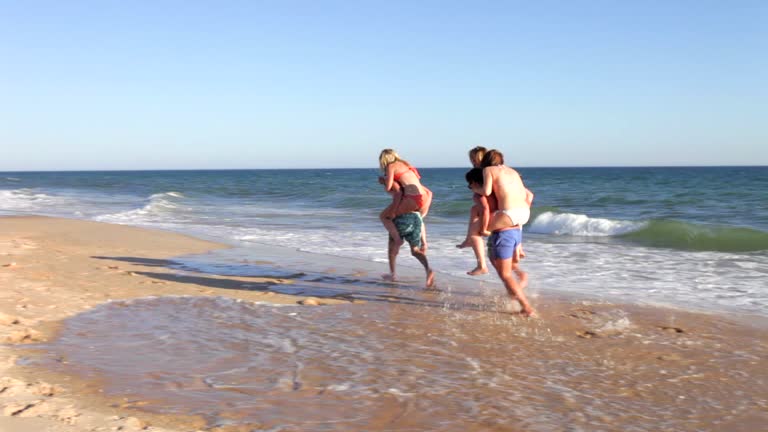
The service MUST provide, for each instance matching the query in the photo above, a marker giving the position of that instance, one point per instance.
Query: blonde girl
(415, 197)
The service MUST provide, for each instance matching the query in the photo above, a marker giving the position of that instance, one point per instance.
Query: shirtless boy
(506, 223)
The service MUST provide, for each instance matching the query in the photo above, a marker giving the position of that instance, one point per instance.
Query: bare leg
(478, 246)
(505, 270)
(422, 257)
(473, 226)
(475, 240)
(392, 251)
(391, 229)
(522, 276)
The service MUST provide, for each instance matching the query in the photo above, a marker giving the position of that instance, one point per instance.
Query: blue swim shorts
(502, 244)
(409, 227)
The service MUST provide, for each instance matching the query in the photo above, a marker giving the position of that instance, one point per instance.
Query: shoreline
(55, 268)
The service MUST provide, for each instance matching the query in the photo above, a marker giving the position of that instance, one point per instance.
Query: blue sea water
(686, 237)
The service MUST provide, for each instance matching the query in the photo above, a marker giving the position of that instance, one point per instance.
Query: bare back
(506, 184)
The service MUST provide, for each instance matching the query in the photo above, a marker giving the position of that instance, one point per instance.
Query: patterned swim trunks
(409, 227)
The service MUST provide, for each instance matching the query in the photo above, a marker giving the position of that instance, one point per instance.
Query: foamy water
(407, 361)
(614, 235)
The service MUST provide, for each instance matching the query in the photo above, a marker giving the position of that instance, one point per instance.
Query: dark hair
(475, 175)
(492, 158)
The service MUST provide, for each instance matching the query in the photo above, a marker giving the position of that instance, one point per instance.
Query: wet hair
(475, 175)
(389, 156)
(492, 158)
(476, 154)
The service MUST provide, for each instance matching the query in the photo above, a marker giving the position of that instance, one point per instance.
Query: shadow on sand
(321, 286)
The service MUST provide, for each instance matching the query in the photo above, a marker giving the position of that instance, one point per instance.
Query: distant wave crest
(27, 200)
(157, 205)
(580, 225)
(655, 233)
(688, 236)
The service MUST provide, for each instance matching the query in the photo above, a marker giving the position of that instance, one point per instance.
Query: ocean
(404, 359)
(689, 237)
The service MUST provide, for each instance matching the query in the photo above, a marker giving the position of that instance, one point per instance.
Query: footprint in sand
(310, 301)
(8, 320)
(586, 334)
(67, 415)
(17, 409)
(24, 336)
(582, 314)
(672, 329)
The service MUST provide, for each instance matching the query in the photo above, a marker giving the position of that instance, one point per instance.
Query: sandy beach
(52, 269)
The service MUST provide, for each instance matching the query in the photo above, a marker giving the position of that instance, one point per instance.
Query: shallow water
(408, 360)
(678, 236)
(454, 360)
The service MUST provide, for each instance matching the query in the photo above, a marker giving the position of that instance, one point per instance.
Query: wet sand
(51, 269)
(695, 371)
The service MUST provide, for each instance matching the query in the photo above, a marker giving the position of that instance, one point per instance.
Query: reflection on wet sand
(412, 360)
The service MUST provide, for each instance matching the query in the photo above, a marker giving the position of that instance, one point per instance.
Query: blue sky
(292, 84)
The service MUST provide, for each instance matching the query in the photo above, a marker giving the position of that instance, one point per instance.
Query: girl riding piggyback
(413, 196)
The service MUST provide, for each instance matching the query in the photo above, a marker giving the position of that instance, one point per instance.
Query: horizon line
(376, 168)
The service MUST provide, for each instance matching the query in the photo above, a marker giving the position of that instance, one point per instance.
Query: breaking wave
(580, 225)
(28, 201)
(688, 236)
(157, 206)
(655, 233)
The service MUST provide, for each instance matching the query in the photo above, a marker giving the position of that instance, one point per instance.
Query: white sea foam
(615, 326)
(157, 206)
(29, 200)
(580, 225)
(595, 268)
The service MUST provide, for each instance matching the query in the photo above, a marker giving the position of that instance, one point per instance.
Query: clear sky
(291, 84)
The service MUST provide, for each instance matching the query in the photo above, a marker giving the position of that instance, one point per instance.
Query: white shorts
(519, 215)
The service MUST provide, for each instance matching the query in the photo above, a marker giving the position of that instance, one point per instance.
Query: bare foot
(464, 244)
(390, 277)
(530, 313)
(430, 279)
(478, 271)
